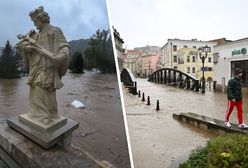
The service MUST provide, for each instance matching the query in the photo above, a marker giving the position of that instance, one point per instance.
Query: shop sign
(241, 51)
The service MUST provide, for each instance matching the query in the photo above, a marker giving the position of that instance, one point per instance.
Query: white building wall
(222, 69)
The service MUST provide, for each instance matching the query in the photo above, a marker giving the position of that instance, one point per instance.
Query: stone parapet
(209, 124)
(19, 152)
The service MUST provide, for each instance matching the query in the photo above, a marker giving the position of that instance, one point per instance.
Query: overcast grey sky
(142, 22)
(77, 18)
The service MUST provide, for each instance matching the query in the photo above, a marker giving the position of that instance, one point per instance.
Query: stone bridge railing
(128, 80)
(176, 78)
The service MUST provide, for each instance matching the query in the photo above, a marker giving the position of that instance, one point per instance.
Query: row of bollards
(148, 100)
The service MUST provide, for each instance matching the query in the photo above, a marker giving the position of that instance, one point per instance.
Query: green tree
(77, 63)
(9, 62)
(100, 53)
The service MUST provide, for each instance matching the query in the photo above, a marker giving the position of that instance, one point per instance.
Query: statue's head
(39, 17)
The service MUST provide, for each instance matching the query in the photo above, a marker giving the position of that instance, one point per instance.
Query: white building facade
(228, 57)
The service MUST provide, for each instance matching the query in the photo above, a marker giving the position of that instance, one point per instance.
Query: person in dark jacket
(234, 96)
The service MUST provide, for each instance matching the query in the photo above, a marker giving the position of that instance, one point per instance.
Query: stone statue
(46, 53)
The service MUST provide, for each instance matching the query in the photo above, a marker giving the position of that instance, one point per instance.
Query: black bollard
(157, 108)
(214, 85)
(148, 100)
(135, 89)
(139, 94)
(143, 96)
(197, 86)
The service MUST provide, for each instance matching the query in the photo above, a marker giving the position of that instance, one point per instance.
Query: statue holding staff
(46, 53)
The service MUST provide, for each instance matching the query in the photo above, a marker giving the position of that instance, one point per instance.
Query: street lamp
(149, 68)
(141, 75)
(203, 53)
(171, 54)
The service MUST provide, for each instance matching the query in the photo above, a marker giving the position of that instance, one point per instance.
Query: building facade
(131, 60)
(119, 47)
(147, 64)
(227, 57)
(168, 54)
(189, 62)
(141, 63)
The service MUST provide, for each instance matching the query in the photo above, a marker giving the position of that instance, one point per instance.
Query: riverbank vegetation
(100, 54)
(77, 63)
(96, 53)
(10, 62)
(223, 151)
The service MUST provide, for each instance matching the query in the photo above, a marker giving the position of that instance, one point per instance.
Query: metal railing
(176, 78)
(128, 80)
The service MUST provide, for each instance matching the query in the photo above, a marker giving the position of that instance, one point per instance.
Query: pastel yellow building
(189, 62)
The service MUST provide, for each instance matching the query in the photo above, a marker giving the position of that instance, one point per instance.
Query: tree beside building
(77, 63)
(100, 54)
(9, 62)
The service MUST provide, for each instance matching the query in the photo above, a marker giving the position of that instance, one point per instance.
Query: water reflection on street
(101, 132)
(157, 140)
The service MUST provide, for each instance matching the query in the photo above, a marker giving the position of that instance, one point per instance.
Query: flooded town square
(101, 133)
(158, 140)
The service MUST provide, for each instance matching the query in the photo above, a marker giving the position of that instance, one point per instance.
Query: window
(193, 69)
(193, 58)
(209, 79)
(208, 68)
(188, 69)
(241, 64)
(215, 57)
(180, 61)
(245, 64)
(174, 48)
(236, 64)
(174, 58)
(209, 59)
(185, 46)
(188, 58)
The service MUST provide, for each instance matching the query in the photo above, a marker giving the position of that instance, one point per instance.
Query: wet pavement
(3, 164)
(158, 140)
(101, 133)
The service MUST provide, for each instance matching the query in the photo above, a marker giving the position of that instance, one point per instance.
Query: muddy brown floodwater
(158, 140)
(101, 132)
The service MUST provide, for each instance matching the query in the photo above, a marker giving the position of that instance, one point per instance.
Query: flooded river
(158, 140)
(101, 132)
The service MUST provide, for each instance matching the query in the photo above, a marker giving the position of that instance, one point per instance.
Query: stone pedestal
(55, 124)
(18, 151)
(47, 135)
